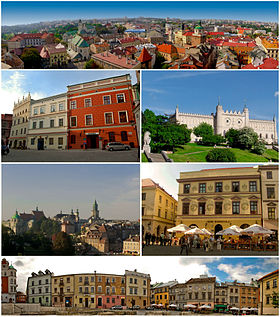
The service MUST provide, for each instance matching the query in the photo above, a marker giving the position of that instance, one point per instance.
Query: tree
(90, 64)
(50, 227)
(159, 61)
(203, 129)
(212, 140)
(62, 244)
(220, 155)
(247, 138)
(259, 148)
(275, 299)
(232, 137)
(31, 58)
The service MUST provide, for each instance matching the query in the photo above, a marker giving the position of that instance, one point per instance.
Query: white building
(8, 282)
(48, 123)
(222, 121)
(131, 245)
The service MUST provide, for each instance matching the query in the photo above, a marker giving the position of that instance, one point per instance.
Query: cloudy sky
(166, 174)
(16, 84)
(56, 187)
(180, 268)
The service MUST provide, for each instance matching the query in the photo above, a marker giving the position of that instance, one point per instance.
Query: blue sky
(198, 92)
(45, 83)
(56, 187)
(179, 268)
(24, 12)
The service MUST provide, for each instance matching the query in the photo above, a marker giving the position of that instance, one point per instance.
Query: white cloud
(276, 93)
(13, 89)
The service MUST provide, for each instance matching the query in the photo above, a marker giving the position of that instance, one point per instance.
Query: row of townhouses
(88, 115)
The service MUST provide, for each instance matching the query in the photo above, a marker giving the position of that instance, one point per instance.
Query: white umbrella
(234, 308)
(228, 232)
(257, 230)
(195, 231)
(253, 308)
(205, 306)
(245, 308)
(172, 305)
(207, 232)
(236, 228)
(189, 306)
(179, 228)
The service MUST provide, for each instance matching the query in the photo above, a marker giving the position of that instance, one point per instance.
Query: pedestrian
(184, 245)
(153, 238)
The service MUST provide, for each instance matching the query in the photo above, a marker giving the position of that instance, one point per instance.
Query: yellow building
(271, 47)
(158, 208)
(132, 245)
(63, 290)
(161, 292)
(269, 294)
(216, 199)
(84, 290)
(54, 55)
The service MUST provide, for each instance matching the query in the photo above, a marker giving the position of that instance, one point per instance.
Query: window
(202, 187)
(269, 174)
(253, 186)
(51, 123)
(80, 279)
(274, 283)
(80, 289)
(99, 289)
(236, 207)
(42, 110)
(106, 100)
(218, 208)
(73, 139)
(219, 187)
(73, 121)
(270, 192)
(35, 111)
(186, 208)
(88, 102)
(120, 98)
(88, 118)
(267, 285)
(112, 137)
(143, 196)
(159, 211)
(92, 289)
(109, 118)
(271, 213)
(60, 141)
(267, 300)
(60, 122)
(73, 104)
(160, 198)
(41, 124)
(123, 117)
(201, 208)
(34, 125)
(92, 279)
(253, 207)
(80, 300)
(52, 108)
(235, 186)
(124, 136)
(50, 141)
(113, 290)
(61, 107)
(187, 188)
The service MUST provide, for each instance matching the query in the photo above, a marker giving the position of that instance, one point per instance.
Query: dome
(199, 27)
(15, 216)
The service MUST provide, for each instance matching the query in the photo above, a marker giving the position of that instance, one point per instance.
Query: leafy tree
(275, 299)
(62, 244)
(159, 61)
(31, 58)
(90, 64)
(203, 129)
(232, 137)
(212, 140)
(49, 227)
(259, 148)
(220, 155)
(247, 138)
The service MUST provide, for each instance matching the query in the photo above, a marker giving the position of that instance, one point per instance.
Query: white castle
(222, 121)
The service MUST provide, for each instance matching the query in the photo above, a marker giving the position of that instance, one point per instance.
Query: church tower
(95, 211)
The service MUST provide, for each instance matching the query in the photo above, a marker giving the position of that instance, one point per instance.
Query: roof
(79, 41)
(55, 48)
(26, 217)
(202, 280)
(19, 37)
(268, 63)
(269, 274)
(128, 40)
(167, 48)
(116, 60)
(133, 239)
(144, 56)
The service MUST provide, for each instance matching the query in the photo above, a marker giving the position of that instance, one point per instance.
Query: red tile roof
(144, 56)
(23, 36)
(268, 63)
(267, 275)
(167, 48)
(189, 33)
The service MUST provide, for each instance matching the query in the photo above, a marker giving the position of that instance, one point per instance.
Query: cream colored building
(63, 287)
(137, 288)
(84, 290)
(131, 245)
(269, 193)
(158, 208)
(48, 123)
(19, 129)
(269, 294)
(222, 121)
(216, 199)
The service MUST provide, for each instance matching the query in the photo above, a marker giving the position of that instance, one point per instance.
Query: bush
(203, 129)
(259, 148)
(212, 140)
(232, 136)
(220, 155)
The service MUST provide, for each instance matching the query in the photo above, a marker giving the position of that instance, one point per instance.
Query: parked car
(117, 307)
(117, 146)
(136, 307)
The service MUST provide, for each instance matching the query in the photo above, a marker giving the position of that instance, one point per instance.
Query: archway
(193, 226)
(158, 231)
(218, 228)
(244, 226)
(165, 229)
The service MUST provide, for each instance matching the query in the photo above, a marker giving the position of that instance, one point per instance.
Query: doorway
(92, 141)
(40, 145)
(86, 302)
(217, 229)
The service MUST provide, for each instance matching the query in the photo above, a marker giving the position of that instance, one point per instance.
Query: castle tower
(246, 113)
(275, 137)
(177, 114)
(219, 119)
(95, 211)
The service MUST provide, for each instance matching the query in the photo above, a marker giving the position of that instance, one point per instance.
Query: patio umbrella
(207, 232)
(172, 305)
(253, 308)
(195, 231)
(228, 232)
(245, 308)
(179, 228)
(189, 306)
(236, 228)
(205, 307)
(257, 230)
(234, 308)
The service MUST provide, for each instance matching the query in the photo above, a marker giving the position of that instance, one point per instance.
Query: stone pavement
(175, 250)
(90, 155)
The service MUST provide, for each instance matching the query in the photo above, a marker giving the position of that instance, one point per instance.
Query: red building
(6, 121)
(20, 297)
(101, 111)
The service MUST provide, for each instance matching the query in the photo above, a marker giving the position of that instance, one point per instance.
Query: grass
(144, 158)
(192, 152)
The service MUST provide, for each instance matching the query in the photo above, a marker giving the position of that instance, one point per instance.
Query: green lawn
(193, 152)
(144, 158)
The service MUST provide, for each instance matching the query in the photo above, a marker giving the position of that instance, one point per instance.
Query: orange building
(249, 296)
(101, 111)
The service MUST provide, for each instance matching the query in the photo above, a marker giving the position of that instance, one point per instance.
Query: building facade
(84, 290)
(159, 208)
(21, 113)
(131, 245)
(8, 282)
(222, 121)
(100, 112)
(161, 293)
(137, 289)
(6, 124)
(216, 199)
(63, 289)
(48, 123)
(269, 294)
(39, 288)
(178, 295)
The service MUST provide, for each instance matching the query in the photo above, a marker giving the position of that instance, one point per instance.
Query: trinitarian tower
(95, 211)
